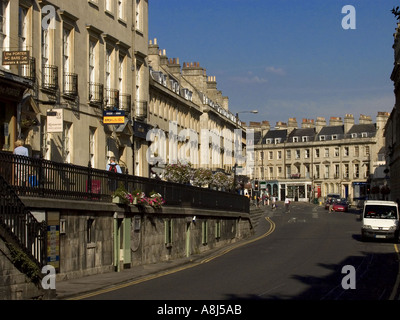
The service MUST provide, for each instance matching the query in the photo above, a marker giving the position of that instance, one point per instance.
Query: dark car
(340, 205)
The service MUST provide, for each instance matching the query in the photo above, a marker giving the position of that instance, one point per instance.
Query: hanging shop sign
(55, 120)
(114, 117)
(15, 57)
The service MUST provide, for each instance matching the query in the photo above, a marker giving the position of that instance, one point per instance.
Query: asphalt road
(300, 257)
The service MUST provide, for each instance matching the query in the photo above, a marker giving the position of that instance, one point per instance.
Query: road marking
(396, 285)
(164, 273)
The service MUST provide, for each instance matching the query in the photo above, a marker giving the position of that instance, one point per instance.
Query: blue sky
(285, 58)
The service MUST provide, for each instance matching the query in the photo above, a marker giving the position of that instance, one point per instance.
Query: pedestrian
(273, 202)
(287, 204)
(20, 149)
(113, 166)
(21, 164)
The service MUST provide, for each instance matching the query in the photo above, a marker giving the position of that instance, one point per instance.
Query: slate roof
(302, 132)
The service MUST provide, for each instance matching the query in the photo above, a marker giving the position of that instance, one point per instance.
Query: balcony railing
(96, 94)
(50, 77)
(70, 84)
(140, 109)
(125, 102)
(111, 98)
(28, 71)
(47, 179)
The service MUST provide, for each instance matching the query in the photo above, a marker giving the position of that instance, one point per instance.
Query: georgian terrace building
(317, 158)
(184, 103)
(83, 59)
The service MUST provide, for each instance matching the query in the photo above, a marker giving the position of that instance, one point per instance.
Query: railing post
(41, 176)
(89, 180)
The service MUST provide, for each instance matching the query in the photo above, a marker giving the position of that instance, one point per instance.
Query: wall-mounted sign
(15, 57)
(55, 120)
(114, 117)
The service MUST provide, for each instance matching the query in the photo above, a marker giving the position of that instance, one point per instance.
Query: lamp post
(247, 111)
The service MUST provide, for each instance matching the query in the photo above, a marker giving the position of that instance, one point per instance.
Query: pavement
(85, 287)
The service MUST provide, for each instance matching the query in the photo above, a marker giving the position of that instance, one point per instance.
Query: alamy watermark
(49, 280)
(349, 20)
(349, 280)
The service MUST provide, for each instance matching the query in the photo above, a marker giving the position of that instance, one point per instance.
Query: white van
(380, 219)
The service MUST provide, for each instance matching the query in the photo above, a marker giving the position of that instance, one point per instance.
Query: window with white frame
(270, 155)
(346, 152)
(326, 152)
(92, 145)
(108, 67)
(4, 28)
(304, 139)
(108, 5)
(138, 17)
(306, 153)
(121, 9)
(22, 28)
(317, 153)
(336, 152)
(92, 58)
(66, 145)
(322, 138)
(295, 139)
(297, 154)
(279, 154)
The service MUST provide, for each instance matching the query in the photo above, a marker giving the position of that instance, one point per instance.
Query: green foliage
(24, 263)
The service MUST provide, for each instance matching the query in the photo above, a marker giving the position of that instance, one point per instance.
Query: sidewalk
(77, 288)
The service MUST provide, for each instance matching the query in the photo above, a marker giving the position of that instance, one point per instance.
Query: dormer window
(321, 138)
(295, 139)
(304, 139)
(277, 140)
(364, 134)
(268, 141)
(334, 137)
(354, 135)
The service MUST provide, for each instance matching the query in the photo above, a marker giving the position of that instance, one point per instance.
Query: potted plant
(121, 195)
(137, 196)
(155, 200)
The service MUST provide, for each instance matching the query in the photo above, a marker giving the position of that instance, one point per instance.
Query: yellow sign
(114, 120)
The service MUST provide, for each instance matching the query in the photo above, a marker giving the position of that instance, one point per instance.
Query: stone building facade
(316, 158)
(194, 115)
(83, 59)
(392, 131)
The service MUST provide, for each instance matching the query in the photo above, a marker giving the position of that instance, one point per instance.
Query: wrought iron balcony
(111, 98)
(28, 71)
(125, 102)
(50, 77)
(96, 94)
(141, 109)
(70, 84)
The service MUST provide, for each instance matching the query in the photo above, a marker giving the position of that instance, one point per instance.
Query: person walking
(113, 166)
(21, 163)
(287, 205)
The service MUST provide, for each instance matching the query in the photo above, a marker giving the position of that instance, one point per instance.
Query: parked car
(340, 205)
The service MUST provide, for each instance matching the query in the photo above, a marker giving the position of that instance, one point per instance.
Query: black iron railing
(43, 178)
(50, 77)
(111, 98)
(70, 84)
(96, 94)
(22, 225)
(125, 102)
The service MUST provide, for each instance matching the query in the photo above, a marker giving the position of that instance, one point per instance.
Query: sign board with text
(55, 120)
(15, 57)
(114, 117)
